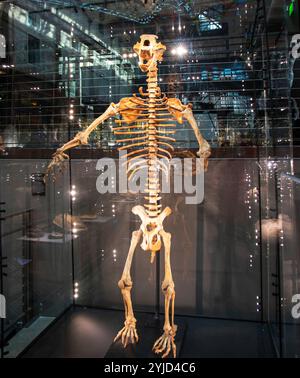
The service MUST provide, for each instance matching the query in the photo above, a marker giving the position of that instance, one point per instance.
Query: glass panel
(36, 243)
(69, 67)
(61, 65)
(223, 279)
(289, 249)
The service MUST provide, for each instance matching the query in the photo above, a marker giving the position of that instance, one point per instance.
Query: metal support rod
(70, 189)
(279, 270)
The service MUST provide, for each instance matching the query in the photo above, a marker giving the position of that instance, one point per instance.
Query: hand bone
(57, 159)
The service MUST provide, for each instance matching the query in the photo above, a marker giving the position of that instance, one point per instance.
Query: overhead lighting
(179, 51)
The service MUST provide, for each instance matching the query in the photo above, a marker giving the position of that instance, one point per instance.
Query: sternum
(153, 205)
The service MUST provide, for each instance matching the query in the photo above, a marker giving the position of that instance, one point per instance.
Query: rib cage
(146, 133)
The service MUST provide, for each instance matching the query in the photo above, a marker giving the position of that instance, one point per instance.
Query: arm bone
(82, 137)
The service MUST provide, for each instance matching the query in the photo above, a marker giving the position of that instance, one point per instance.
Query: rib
(166, 138)
(134, 153)
(135, 171)
(167, 145)
(131, 132)
(166, 152)
(127, 127)
(134, 158)
(147, 132)
(130, 146)
(145, 120)
(131, 140)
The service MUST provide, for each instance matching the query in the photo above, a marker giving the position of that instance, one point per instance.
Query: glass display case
(289, 260)
(64, 245)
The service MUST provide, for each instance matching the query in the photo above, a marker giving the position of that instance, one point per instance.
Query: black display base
(149, 331)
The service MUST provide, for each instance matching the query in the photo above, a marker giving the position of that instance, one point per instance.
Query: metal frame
(2, 275)
(260, 39)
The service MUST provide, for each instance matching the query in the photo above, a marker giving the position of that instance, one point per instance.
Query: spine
(153, 206)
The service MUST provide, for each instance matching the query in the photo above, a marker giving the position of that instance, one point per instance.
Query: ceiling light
(179, 51)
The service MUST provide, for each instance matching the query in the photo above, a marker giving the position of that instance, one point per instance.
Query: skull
(149, 52)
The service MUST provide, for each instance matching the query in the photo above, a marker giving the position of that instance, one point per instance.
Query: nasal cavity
(147, 43)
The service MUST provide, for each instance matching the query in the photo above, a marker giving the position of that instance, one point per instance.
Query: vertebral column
(153, 206)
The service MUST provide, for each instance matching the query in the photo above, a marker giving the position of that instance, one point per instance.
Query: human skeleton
(148, 120)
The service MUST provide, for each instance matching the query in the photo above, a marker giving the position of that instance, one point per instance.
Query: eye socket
(147, 43)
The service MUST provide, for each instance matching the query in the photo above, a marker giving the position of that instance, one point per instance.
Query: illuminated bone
(166, 342)
(128, 333)
(80, 139)
(151, 229)
(145, 118)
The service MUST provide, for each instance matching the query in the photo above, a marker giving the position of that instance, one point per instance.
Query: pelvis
(151, 237)
(151, 228)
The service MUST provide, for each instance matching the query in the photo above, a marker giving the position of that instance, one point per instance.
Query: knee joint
(168, 288)
(125, 284)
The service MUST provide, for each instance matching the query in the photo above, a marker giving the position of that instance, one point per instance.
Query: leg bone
(128, 333)
(167, 341)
